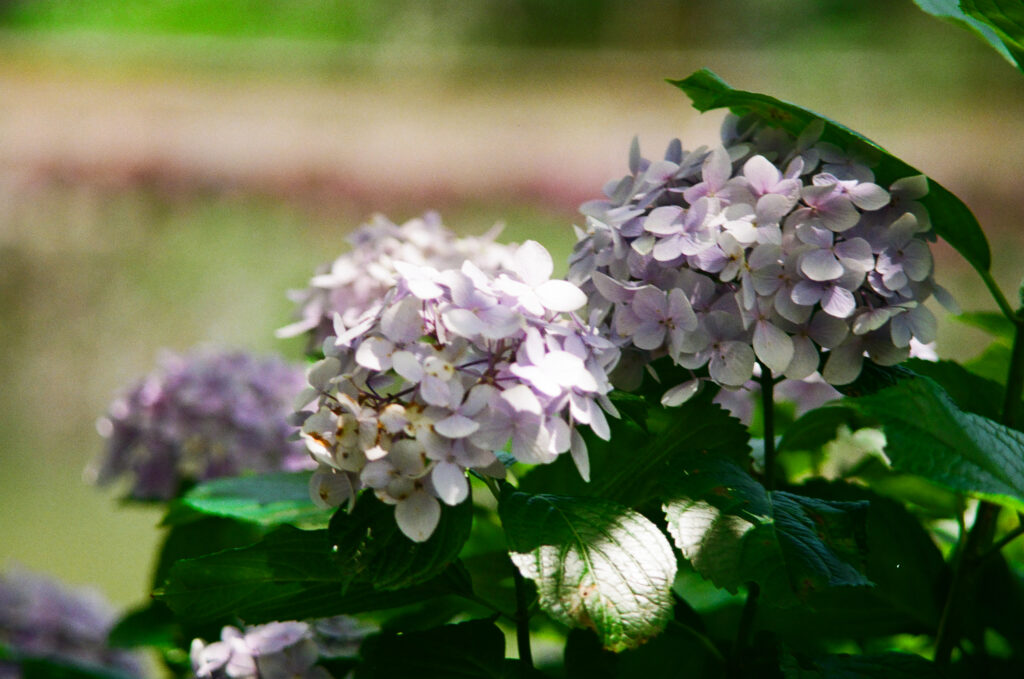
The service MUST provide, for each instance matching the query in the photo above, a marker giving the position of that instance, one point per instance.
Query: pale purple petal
(533, 263)
(558, 295)
(773, 346)
(820, 265)
(680, 394)
(838, 301)
(456, 426)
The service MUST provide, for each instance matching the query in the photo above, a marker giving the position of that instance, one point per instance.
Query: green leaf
(994, 323)
(882, 666)
(374, 550)
(1005, 19)
(596, 564)
(151, 625)
(468, 650)
(950, 10)
(200, 536)
(265, 499)
(928, 435)
(816, 427)
(290, 574)
(993, 363)
(906, 568)
(639, 463)
(734, 531)
(951, 219)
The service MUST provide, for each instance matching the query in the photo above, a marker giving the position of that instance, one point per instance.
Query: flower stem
(768, 414)
(979, 543)
(745, 629)
(522, 619)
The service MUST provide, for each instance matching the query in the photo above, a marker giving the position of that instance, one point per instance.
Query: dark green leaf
(374, 550)
(883, 666)
(817, 427)
(469, 650)
(993, 363)
(949, 10)
(151, 625)
(906, 568)
(290, 574)
(200, 536)
(971, 393)
(929, 436)
(264, 499)
(734, 531)
(1005, 18)
(951, 219)
(596, 564)
(638, 465)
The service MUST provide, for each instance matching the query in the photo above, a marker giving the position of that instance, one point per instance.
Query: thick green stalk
(978, 545)
(522, 619)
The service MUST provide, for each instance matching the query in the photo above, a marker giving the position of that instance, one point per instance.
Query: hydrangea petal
(417, 515)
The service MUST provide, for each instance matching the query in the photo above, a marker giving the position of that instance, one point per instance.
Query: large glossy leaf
(264, 499)
(951, 219)
(646, 452)
(734, 531)
(374, 550)
(928, 435)
(907, 570)
(468, 650)
(951, 11)
(290, 574)
(1005, 18)
(596, 564)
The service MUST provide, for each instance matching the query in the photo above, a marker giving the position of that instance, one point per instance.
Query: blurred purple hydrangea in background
(277, 650)
(764, 249)
(42, 618)
(201, 416)
(358, 279)
(445, 368)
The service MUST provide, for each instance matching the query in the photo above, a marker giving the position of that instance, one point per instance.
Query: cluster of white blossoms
(358, 279)
(766, 249)
(277, 650)
(447, 367)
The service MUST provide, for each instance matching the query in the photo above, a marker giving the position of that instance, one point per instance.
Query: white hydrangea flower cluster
(277, 650)
(766, 249)
(358, 279)
(450, 367)
(200, 416)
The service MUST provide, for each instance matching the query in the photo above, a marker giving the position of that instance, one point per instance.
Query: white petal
(417, 515)
(522, 399)
(868, 196)
(401, 322)
(322, 372)
(662, 220)
(533, 263)
(820, 265)
(805, 359)
(838, 301)
(375, 353)
(456, 426)
(578, 450)
(463, 322)
(328, 489)
(679, 394)
(450, 483)
(733, 364)
(407, 365)
(558, 295)
(773, 346)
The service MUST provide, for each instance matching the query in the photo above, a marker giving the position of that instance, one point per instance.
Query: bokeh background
(169, 168)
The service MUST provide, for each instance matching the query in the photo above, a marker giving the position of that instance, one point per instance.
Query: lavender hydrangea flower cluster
(202, 416)
(42, 618)
(277, 650)
(766, 249)
(358, 279)
(450, 367)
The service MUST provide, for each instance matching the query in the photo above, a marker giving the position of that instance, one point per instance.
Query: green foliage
(961, 14)
(884, 666)
(928, 435)
(266, 499)
(287, 575)
(734, 532)
(473, 650)
(951, 219)
(373, 550)
(596, 564)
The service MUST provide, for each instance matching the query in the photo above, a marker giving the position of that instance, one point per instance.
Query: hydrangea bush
(479, 451)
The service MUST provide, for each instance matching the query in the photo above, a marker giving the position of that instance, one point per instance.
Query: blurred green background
(168, 169)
